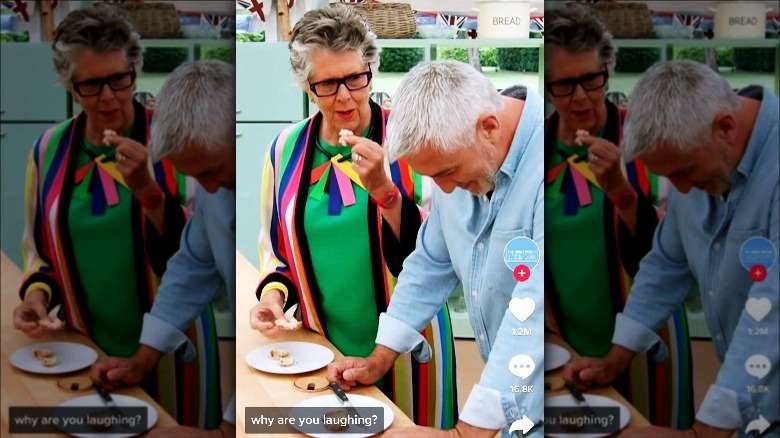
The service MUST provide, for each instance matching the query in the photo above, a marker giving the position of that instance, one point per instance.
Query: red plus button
(522, 273)
(758, 273)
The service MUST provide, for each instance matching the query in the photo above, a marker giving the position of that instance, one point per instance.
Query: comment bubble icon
(521, 366)
(758, 366)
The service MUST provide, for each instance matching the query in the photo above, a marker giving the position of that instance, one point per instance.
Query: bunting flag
(18, 7)
(775, 21)
(216, 20)
(539, 23)
(688, 20)
(254, 6)
(451, 20)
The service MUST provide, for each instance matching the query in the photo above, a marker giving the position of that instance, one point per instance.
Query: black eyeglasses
(329, 87)
(589, 82)
(93, 87)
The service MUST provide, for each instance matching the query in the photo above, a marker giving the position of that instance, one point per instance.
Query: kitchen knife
(345, 401)
(103, 392)
(581, 401)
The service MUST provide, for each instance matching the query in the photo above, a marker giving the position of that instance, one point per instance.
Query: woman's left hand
(605, 160)
(134, 163)
(368, 160)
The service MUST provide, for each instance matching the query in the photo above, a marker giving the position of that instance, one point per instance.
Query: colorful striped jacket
(49, 261)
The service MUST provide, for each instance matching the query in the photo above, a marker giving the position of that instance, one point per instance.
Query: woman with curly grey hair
(600, 216)
(102, 219)
(338, 220)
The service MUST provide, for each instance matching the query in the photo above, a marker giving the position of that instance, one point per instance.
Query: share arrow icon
(524, 425)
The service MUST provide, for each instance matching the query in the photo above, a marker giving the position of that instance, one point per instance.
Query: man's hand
(225, 430)
(699, 430)
(114, 372)
(32, 310)
(588, 371)
(461, 430)
(350, 371)
(263, 316)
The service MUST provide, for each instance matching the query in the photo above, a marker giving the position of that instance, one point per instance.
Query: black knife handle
(575, 391)
(339, 392)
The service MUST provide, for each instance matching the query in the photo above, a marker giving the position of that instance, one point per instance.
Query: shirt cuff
(638, 338)
(484, 409)
(720, 408)
(402, 338)
(230, 412)
(166, 338)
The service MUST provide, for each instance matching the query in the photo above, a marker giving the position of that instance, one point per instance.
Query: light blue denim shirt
(463, 239)
(206, 261)
(699, 240)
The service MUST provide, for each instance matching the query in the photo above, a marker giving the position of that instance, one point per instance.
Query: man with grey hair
(721, 230)
(484, 151)
(194, 126)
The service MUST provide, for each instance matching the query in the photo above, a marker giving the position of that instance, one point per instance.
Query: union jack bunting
(18, 7)
(254, 6)
(539, 22)
(451, 20)
(688, 20)
(775, 24)
(214, 19)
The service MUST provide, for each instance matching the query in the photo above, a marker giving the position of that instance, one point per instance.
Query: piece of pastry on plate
(286, 361)
(278, 353)
(50, 361)
(336, 421)
(42, 353)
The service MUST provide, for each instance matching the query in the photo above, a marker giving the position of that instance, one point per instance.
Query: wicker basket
(626, 20)
(153, 20)
(389, 20)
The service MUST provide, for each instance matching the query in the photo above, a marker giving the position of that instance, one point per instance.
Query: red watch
(625, 199)
(390, 199)
(154, 199)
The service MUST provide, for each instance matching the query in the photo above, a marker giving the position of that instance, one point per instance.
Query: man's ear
(489, 124)
(725, 126)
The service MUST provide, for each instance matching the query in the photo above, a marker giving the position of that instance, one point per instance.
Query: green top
(576, 257)
(103, 249)
(341, 257)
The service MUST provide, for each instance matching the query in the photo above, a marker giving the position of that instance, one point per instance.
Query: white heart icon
(522, 308)
(758, 308)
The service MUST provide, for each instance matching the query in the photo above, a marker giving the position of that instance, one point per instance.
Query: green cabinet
(16, 140)
(265, 89)
(252, 140)
(29, 88)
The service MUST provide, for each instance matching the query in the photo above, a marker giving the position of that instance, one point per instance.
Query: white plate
(72, 356)
(121, 401)
(358, 401)
(307, 356)
(555, 356)
(567, 400)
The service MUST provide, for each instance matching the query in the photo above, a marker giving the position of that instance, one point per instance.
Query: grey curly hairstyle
(335, 27)
(102, 28)
(576, 28)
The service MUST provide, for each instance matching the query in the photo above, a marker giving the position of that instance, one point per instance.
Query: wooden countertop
(258, 389)
(636, 420)
(20, 388)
